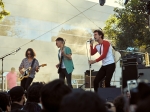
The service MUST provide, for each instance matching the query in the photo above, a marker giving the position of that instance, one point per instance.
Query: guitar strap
(33, 63)
(61, 61)
(61, 58)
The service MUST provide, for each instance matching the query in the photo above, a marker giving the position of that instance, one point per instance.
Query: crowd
(55, 96)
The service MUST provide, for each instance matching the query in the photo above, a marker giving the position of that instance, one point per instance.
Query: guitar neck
(40, 66)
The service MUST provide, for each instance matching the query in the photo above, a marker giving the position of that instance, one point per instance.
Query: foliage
(129, 25)
(3, 13)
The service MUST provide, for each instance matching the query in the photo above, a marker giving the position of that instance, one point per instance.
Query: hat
(16, 93)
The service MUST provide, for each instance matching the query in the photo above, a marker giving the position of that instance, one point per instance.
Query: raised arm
(93, 50)
(68, 53)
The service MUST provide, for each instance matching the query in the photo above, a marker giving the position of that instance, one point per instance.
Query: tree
(129, 26)
(3, 12)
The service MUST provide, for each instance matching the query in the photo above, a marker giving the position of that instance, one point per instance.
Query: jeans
(105, 71)
(25, 83)
(63, 73)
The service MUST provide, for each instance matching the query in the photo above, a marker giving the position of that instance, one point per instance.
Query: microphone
(90, 40)
(17, 49)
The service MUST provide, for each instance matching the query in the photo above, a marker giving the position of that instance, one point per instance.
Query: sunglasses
(28, 53)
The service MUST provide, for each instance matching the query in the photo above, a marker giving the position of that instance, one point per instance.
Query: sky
(108, 2)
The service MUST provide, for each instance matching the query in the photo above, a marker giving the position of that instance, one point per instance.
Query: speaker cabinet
(109, 94)
(129, 72)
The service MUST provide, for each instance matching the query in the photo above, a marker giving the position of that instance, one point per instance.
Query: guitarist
(106, 56)
(27, 62)
(65, 66)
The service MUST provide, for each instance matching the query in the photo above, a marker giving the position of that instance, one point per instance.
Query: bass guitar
(61, 59)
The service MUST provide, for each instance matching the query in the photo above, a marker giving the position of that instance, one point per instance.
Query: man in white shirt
(106, 56)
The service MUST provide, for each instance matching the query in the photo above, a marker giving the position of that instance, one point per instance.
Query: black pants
(105, 71)
(25, 83)
(63, 73)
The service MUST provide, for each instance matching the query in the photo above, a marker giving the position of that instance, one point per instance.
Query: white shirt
(62, 64)
(109, 59)
(105, 50)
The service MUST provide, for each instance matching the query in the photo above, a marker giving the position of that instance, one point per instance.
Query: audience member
(143, 91)
(4, 102)
(82, 102)
(52, 94)
(121, 104)
(12, 78)
(18, 97)
(18, 110)
(33, 93)
(57, 97)
(143, 106)
(32, 107)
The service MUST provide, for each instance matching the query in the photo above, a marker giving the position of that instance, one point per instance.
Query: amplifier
(93, 73)
(129, 60)
(87, 80)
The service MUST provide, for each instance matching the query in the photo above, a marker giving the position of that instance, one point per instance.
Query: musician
(26, 63)
(106, 56)
(65, 67)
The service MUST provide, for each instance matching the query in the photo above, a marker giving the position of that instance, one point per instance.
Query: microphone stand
(90, 70)
(89, 58)
(2, 58)
(82, 85)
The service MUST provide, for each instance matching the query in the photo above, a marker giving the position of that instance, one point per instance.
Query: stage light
(102, 2)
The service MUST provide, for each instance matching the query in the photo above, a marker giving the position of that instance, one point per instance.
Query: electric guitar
(26, 72)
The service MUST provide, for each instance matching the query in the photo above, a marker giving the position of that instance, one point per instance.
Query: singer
(27, 62)
(106, 56)
(65, 66)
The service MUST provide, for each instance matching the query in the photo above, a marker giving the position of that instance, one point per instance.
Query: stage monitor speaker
(129, 72)
(109, 94)
(77, 90)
